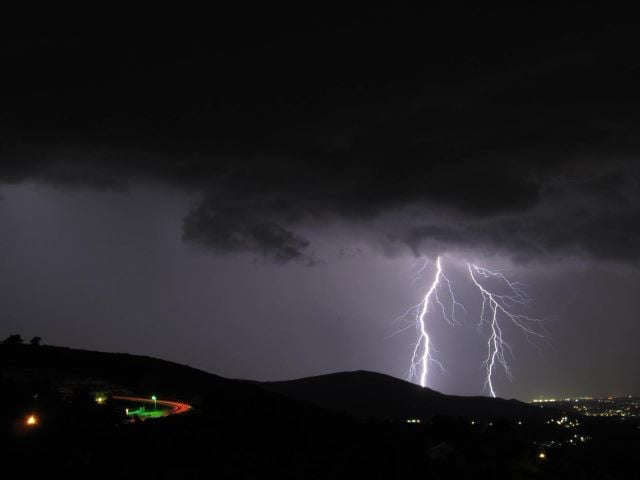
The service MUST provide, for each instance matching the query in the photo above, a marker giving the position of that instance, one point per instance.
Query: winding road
(175, 407)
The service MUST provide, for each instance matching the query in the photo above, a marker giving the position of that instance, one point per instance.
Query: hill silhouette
(68, 369)
(306, 428)
(365, 394)
(360, 394)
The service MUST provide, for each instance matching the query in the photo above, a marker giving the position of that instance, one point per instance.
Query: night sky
(253, 191)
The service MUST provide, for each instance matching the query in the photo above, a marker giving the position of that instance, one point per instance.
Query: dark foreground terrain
(345, 425)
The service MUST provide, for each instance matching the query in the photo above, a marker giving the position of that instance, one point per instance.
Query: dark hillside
(241, 429)
(374, 395)
(67, 370)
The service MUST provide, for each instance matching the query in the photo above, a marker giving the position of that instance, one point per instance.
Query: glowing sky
(110, 271)
(246, 191)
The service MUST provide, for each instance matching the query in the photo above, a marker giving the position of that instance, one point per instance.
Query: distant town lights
(31, 421)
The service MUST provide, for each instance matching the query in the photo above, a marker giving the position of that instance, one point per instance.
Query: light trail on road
(176, 407)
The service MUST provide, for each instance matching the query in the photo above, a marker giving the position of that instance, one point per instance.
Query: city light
(31, 421)
(622, 407)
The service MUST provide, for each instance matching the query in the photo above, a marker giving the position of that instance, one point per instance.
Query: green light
(141, 412)
(153, 397)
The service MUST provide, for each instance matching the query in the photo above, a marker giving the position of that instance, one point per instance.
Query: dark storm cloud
(513, 131)
(597, 215)
(230, 230)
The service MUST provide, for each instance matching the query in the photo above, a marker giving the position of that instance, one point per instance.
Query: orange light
(542, 456)
(32, 420)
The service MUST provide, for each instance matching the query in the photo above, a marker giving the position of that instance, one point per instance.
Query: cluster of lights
(621, 407)
(413, 420)
(580, 438)
(572, 442)
(564, 422)
(552, 400)
(490, 424)
(32, 419)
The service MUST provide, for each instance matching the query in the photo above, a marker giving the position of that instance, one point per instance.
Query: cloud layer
(509, 131)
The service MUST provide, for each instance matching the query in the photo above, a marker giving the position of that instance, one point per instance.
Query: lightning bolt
(422, 352)
(497, 308)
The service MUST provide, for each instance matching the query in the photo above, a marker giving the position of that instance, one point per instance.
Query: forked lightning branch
(499, 307)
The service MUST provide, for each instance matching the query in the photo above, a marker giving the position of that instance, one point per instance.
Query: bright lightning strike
(496, 309)
(422, 352)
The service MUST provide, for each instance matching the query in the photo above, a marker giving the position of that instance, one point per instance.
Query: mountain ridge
(365, 394)
(361, 394)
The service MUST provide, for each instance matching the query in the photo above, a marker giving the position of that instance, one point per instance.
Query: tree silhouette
(13, 340)
(35, 341)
